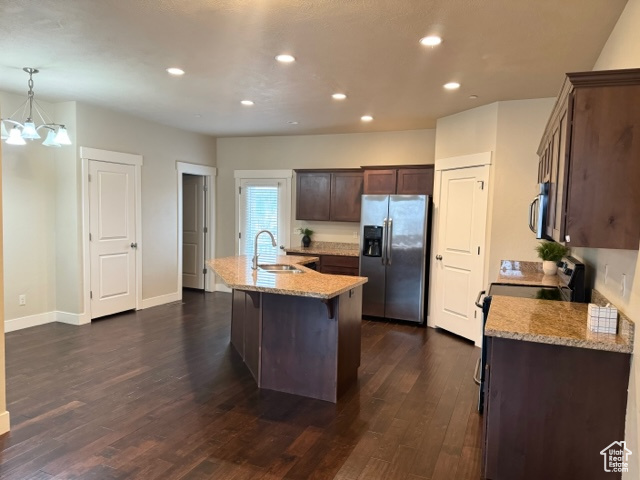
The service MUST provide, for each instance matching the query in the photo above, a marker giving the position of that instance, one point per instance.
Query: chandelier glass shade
(15, 132)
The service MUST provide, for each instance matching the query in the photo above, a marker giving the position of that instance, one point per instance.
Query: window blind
(261, 213)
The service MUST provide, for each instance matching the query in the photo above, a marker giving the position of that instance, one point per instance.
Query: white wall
(520, 127)
(43, 204)
(512, 131)
(161, 146)
(28, 222)
(622, 50)
(310, 151)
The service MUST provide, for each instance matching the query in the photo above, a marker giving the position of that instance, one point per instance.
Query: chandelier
(57, 134)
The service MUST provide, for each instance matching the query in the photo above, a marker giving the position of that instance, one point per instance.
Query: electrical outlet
(22, 299)
(355, 234)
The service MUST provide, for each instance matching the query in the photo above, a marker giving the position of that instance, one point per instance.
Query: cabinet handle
(438, 257)
(134, 245)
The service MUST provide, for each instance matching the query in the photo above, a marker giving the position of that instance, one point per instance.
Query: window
(263, 204)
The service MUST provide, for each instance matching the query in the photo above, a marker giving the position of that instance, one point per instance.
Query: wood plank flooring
(160, 394)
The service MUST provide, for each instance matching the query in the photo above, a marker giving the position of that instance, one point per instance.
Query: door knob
(134, 245)
(438, 257)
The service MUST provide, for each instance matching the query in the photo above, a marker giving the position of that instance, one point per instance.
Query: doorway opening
(196, 226)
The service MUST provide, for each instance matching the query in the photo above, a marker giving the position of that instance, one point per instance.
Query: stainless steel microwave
(538, 211)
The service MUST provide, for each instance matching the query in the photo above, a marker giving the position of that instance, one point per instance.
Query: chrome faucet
(254, 263)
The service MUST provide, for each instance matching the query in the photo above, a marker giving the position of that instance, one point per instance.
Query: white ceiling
(113, 53)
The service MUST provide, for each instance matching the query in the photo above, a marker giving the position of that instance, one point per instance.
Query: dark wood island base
(301, 345)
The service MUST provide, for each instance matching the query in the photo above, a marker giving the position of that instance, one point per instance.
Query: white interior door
(459, 257)
(193, 231)
(112, 237)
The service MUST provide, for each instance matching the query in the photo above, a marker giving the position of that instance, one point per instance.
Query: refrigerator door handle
(384, 241)
(389, 239)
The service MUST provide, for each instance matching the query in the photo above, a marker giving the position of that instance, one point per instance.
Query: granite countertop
(555, 323)
(525, 273)
(328, 248)
(236, 273)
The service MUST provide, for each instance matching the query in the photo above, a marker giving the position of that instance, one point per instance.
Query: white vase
(549, 267)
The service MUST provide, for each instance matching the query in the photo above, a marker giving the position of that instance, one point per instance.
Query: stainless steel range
(571, 288)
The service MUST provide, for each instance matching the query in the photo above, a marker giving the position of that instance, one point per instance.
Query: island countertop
(551, 322)
(236, 273)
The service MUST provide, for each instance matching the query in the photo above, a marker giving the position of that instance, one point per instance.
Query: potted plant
(306, 236)
(551, 253)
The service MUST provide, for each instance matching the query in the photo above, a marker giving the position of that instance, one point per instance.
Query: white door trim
(454, 163)
(287, 175)
(87, 154)
(210, 174)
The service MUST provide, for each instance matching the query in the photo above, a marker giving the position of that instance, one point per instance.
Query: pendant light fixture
(27, 129)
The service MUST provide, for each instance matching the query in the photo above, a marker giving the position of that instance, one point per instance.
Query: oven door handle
(476, 373)
(482, 292)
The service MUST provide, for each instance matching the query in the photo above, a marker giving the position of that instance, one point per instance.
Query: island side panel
(349, 338)
(252, 333)
(237, 321)
(299, 347)
(550, 410)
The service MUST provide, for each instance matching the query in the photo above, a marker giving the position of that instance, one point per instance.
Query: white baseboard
(29, 321)
(72, 318)
(5, 423)
(161, 300)
(221, 287)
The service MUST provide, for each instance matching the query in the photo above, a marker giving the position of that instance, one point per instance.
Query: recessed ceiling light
(292, 122)
(285, 58)
(175, 71)
(366, 118)
(473, 97)
(339, 96)
(246, 102)
(431, 40)
(451, 85)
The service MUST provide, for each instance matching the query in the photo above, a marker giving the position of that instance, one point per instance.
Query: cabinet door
(313, 195)
(346, 196)
(553, 181)
(415, 181)
(564, 133)
(380, 182)
(603, 202)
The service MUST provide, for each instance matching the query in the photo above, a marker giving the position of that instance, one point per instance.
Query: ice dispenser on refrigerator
(372, 241)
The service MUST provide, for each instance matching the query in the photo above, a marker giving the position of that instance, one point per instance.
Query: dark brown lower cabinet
(335, 264)
(550, 410)
(300, 345)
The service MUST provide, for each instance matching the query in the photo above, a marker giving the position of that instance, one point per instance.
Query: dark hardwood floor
(161, 394)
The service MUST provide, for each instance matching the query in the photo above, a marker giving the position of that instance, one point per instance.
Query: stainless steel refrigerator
(394, 255)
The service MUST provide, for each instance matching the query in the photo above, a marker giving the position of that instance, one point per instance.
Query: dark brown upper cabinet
(589, 157)
(329, 195)
(346, 195)
(380, 182)
(313, 195)
(404, 180)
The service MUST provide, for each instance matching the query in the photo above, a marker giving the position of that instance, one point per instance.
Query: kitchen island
(297, 333)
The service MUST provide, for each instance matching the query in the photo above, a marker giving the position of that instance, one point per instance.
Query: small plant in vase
(551, 253)
(306, 236)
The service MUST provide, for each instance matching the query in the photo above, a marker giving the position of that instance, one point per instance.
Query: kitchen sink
(279, 268)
